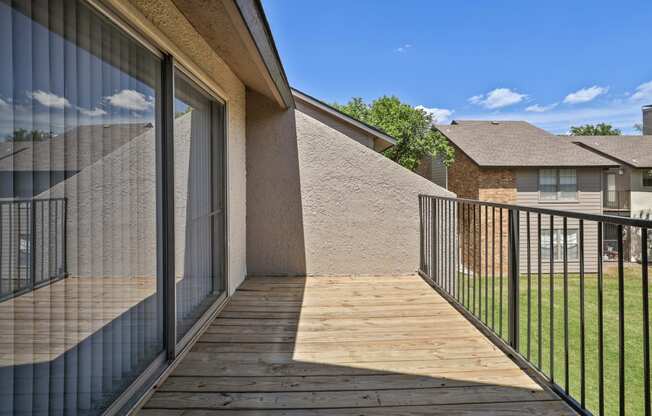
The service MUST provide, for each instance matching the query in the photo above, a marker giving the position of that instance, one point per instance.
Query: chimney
(647, 119)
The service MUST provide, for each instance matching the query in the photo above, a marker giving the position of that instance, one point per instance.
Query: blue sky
(553, 63)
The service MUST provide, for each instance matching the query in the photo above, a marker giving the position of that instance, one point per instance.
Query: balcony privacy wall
(320, 202)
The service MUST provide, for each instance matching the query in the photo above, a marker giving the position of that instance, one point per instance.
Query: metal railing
(616, 200)
(534, 282)
(32, 244)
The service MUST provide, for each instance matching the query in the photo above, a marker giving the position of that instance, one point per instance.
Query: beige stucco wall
(641, 195)
(321, 203)
(175, 27)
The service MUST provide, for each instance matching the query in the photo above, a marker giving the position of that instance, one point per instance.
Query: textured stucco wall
(171, 22)
(321, 203)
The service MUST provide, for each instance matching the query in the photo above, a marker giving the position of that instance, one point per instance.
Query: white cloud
(476, 99)
(536, 108)
(403, 48)
(96, 112)
(585, 94)
(48, 99)
(439, 115)
(498, 98)
(130, 100)
(621, 114)
(643, 92)
(3, 103)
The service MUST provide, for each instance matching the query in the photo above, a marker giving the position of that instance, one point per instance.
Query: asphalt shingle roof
(516, 143)
(635, 151)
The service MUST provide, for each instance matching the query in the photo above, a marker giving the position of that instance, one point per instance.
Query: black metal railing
(616, 200)
(32, 244)
(535, 282)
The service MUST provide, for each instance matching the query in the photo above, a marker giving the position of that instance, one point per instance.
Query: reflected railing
(32, 244)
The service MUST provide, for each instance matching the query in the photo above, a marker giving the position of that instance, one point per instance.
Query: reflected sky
(56, 85)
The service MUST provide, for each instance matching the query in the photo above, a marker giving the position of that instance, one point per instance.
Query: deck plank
(346, 346)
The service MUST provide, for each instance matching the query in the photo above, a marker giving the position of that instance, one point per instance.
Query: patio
(346, 346)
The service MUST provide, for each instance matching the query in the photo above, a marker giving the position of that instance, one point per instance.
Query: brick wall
(468, 180)
(463, 176)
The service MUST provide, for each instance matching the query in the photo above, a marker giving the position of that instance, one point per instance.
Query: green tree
(413, 129)
(601, 129)
(23, 135)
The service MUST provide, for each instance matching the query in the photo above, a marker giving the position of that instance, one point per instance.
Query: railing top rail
(611, 219)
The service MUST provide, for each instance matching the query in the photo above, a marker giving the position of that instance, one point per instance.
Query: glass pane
(80, 300)
(545, 245)
(647, 178)
(567, 184)
(573, 247)
(548, 184)
(198, 210)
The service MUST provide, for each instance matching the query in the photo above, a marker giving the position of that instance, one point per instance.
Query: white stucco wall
(321, 203)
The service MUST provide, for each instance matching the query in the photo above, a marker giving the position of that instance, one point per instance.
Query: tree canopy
(413, 129)
(601, 129)
(23, 135)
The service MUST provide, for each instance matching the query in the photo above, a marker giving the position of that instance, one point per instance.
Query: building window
(557, 184)
(558, 244)
(647, 178)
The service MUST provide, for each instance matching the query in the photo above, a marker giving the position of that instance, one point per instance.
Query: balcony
(616, 201)
(347, 346)
(514, 312)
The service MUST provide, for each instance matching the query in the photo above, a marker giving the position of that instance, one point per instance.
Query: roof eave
(389, 140)
(253, 15)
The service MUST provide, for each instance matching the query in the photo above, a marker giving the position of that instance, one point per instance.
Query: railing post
(32, 243)
(433, 240)
(513, 277)
(421, 256)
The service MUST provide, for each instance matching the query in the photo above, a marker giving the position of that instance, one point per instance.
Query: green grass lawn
(633, 332)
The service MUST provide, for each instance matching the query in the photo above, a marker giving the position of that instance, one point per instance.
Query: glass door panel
(198, 207)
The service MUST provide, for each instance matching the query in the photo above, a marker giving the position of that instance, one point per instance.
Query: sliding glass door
(81, 306)
(198, 201)
(87, 291)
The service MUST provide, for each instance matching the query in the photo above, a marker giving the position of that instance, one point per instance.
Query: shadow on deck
(346, 346)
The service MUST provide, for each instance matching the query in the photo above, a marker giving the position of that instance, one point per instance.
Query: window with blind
(80, 293)
(198, 191)
(557, 184)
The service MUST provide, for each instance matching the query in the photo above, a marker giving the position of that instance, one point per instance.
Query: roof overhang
(238, 31)
(386, 141)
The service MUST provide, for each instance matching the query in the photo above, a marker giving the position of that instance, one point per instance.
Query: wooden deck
(346, 346)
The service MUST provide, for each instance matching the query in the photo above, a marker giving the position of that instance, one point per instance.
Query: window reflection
(80, 302)
(199, 215)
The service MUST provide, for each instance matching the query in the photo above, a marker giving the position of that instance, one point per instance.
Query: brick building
(514, 162)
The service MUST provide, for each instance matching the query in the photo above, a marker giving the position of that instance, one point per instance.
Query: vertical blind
(80, 301)
(197, 152)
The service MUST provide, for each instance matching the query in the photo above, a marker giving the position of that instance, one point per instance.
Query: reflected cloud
(96, 112)
(131, 100)
(49, 99)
